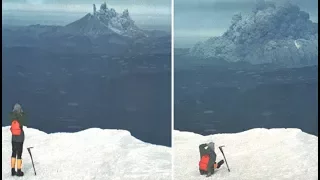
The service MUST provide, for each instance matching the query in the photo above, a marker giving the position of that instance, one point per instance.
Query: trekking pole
(29, 150)
(220, 147)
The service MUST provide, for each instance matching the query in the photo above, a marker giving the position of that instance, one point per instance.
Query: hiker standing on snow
(17, 120)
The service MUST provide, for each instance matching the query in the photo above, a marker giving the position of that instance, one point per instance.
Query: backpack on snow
(205, 156)
(203, 163)
(15, 128)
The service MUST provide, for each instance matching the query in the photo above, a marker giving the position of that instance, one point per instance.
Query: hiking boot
(209, 174)
(220, 163)
(19, 173)
(19, 165)
(13, 172)
(202, 172)
(13, 166)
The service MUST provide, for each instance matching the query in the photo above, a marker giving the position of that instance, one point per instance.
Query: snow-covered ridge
(106, 21)
(270, 34)
(90, 154)
(256, 154)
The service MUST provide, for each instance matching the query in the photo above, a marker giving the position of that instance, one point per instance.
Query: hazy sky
(197, 20)
(61, 12)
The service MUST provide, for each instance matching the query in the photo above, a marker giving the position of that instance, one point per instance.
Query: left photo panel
(86, 89)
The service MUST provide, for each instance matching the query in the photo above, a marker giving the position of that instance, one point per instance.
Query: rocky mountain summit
(106, 21)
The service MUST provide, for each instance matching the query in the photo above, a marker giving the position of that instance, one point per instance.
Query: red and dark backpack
(203, 163)
(15, 128)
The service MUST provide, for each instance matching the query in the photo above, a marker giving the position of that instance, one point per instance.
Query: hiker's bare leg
(215, 165)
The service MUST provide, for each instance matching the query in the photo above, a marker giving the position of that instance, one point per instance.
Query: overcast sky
(61, 12)
(197, 20)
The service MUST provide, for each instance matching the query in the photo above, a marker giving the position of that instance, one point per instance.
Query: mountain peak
(106, 21)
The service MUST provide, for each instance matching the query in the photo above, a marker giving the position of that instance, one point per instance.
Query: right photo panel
(245, 90)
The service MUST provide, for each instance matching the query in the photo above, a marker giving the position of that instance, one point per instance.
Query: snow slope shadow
(256, 154)
(89, 154)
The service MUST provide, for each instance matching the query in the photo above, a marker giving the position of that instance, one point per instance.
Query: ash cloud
(273, 33)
